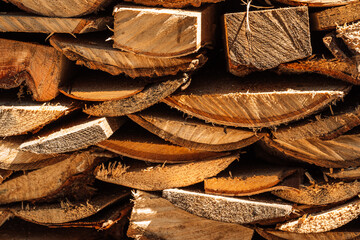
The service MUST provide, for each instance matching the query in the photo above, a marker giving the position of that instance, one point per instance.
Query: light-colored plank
(350, 34)
(151, 95)
(64, 8)
(139, 175)
(99, 55)
(317, 3)
(324, 221)
(163, 32)
(20, 22)
(262, 100)
(41, 67)
(173, 3)
(156, 218)
(226, 209)
(275, 36)
(78, 134)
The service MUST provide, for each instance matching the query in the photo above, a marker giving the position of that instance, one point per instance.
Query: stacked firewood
(179, 119)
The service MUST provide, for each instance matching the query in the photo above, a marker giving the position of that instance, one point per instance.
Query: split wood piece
(335, 68)
(163, 32)
(65, 8)
(226, 209)
(18, 118)
(266, 45)
(139, 175)
(135, 142)
(151, 95)
(336, 46)
(324, 221)
(347, 173)
(46, 181)
(66, 211)
(156, 218)
(351, 36)
(41, 67)
(12, 158)
(332, 17)
(4, 174)
(79, 134)
(340, 152)
(99, 55)
(317, 3)
(320, 194)
(244, 180)
(4, 216)
(173, 3)
(97, 86)
(20, 22)
(261, 100)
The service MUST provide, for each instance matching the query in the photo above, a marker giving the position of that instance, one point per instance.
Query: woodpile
(179, 119)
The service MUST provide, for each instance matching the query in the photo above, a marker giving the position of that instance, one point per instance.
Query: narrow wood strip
(99, 55)
(4, 216)
(226, 209)
(324, 221)
(151, 95)
(173, 32)
(335, 46)
(348, 173)
(173, 3)
(317, 3)
(156, 177)
(154, 217)
(20, 22)
(65, 8)
(192, 133)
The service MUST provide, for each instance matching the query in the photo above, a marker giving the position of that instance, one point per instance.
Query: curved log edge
(317, 3)
(139, 175)
(173, 3)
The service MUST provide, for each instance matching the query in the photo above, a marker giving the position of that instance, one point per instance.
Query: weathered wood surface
(42, 68)
(75, 135)
(135, 142)
(163, 32)
(226, 209)
(317, 3)
(173, 3)
(46, 181)
(152, 94)
(275, 36)
(332, 17)
(97, 86)
(65, 8)
(156, 218)
(139, 175)
(350, 34)
(324, 221)
(20, 22)
(192, 133)
(262, 100)
(21, 117)
(99, 55)
(348, 173)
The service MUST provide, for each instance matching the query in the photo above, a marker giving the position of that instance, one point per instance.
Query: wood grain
(347, 173)
(350, 34)
(173, 32)
(317, 3)
(139, 175)
(174, 3)
(276, 36)
(99, 55)
(154, 217)
(20, 22)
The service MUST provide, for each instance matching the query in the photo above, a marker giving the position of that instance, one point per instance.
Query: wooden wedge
(173, 32)
(137, 174)
(173, 3)
(317, 3)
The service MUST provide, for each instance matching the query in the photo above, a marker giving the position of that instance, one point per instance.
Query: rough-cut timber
(192, 133)
(98, 86)
(348, 173)
(78, 134)
(154, 217)
(139, 175)
(45, 181)
(99, 55)
(64, 8)
(135, 142)
(264, 39)
(317, 3)
(324, 221)
(21, 117)
(20, 22)
(173, 3)
(330, 18)
(261, 100)
(244, 180)
(151, 95)
(226, 209)
(163, 32)
(42, 68)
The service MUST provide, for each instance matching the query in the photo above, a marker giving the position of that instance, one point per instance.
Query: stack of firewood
(179, 119)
